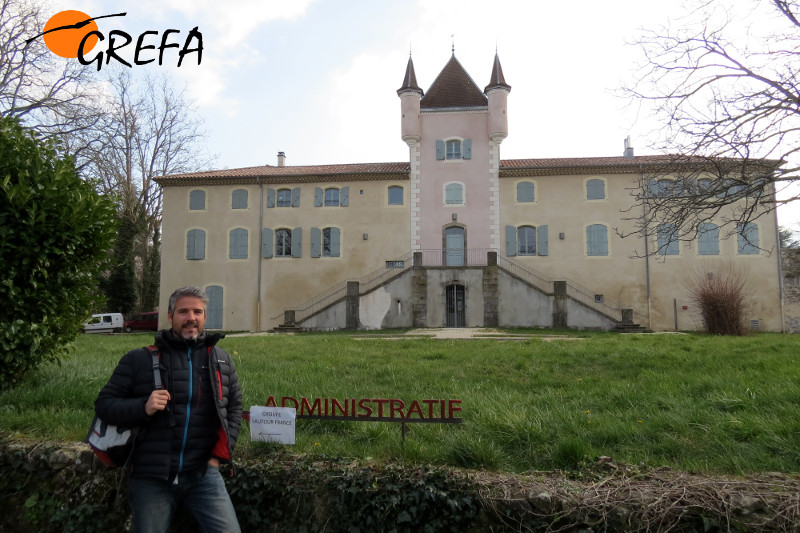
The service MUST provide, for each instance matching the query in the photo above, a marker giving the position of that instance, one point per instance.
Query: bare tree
(148, 129)
(47, 93)
(724, 88)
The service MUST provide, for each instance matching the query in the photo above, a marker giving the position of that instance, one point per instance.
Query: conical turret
(497, 91)
(410, 94)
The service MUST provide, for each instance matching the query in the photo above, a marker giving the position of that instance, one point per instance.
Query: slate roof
(497, 79)
(453, 87)
(410, 80)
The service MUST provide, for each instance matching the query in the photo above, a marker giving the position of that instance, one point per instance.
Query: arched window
(395, 195)
(708, 239)
(595, 189)
(526, 240)
(453, 149)
(525, 192)
(667, 239)
(284, 198)
(747, 238)
(197, 200)
(331, 197)
(596, 240)
(196, 244)
(238, 244)
(239, 199)
(283, 243)
(215, 306)
(454, 194)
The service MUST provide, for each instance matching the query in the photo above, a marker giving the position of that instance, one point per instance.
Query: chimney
(628, 153)
(281, 159)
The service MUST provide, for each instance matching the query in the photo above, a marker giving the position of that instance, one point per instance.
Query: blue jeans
(154, 502)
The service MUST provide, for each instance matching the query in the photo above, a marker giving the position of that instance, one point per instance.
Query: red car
(142, 322)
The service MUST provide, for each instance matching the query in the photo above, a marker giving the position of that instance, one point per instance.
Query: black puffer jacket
(204, 413)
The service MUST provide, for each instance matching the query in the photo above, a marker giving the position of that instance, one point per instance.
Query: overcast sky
(317, 79)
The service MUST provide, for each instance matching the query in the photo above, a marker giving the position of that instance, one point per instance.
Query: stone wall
(790, 261)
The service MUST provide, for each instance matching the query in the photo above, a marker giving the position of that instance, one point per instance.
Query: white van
(104, 323)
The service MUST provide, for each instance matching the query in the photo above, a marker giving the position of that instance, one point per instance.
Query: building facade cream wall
(455, 199)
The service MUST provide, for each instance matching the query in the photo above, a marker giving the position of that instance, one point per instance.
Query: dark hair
(194, 292)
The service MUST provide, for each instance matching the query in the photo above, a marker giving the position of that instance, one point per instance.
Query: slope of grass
(692, 402)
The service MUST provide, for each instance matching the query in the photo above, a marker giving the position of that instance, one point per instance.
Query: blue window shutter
(596, 240)
(466, 149)
(197, 200)
(344, 196)
(336, 239)
(316, 242)
(439, 150)
(541, 240)
(296, 197)
(214, 309)
(595, 189)
(270, 197)
(190, 241)
(267, 242)
(525, 192)
(196, 244)
(319, 194)
(297, 242)
(238, 244)
(511, 241)
(708, 239)
(239, 199)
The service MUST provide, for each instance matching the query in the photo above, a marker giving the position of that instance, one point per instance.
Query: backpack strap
(156, 355)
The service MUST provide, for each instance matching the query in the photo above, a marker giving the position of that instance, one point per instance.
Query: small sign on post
(272, 424)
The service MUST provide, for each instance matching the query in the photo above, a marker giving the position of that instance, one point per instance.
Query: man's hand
(157, 401)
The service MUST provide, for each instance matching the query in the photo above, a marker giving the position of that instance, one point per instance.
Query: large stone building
(455, 236)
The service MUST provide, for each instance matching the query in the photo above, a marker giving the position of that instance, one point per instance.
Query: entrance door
(454, 247)
(456, 307)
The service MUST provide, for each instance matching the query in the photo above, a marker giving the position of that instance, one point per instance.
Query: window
(453, 149)
(596, 240)
(238, 244)
(595, 189)
(195, 244)
(326, 242)
(197, 200)
(708, 239)
(283, 243)
(395, 195)
(526, 240)
(525, 192)
(747, 238)
(330, 242)
(667, 240)
(331, 197)
(284, 198)
(239, 199)
(661, 187)
(704, 185)
(214, 308)
(454, 194)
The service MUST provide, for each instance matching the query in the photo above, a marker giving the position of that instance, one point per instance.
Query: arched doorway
(456, 306)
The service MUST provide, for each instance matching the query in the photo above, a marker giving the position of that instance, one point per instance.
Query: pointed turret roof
(453, 87)
(497, 79)
(410, 79)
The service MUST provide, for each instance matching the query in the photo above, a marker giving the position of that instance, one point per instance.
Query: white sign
(272, 424)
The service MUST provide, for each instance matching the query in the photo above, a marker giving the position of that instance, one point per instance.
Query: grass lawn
(692, 402)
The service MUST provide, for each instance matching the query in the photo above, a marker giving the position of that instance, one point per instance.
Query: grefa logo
(74, 34)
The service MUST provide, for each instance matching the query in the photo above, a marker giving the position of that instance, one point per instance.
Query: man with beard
(186, 429)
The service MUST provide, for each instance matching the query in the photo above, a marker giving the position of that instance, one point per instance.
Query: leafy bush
(54, 233)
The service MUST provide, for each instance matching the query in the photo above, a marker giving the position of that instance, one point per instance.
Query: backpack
(113, 445)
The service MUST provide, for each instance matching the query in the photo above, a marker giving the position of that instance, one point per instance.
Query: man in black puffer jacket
(186, 429)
